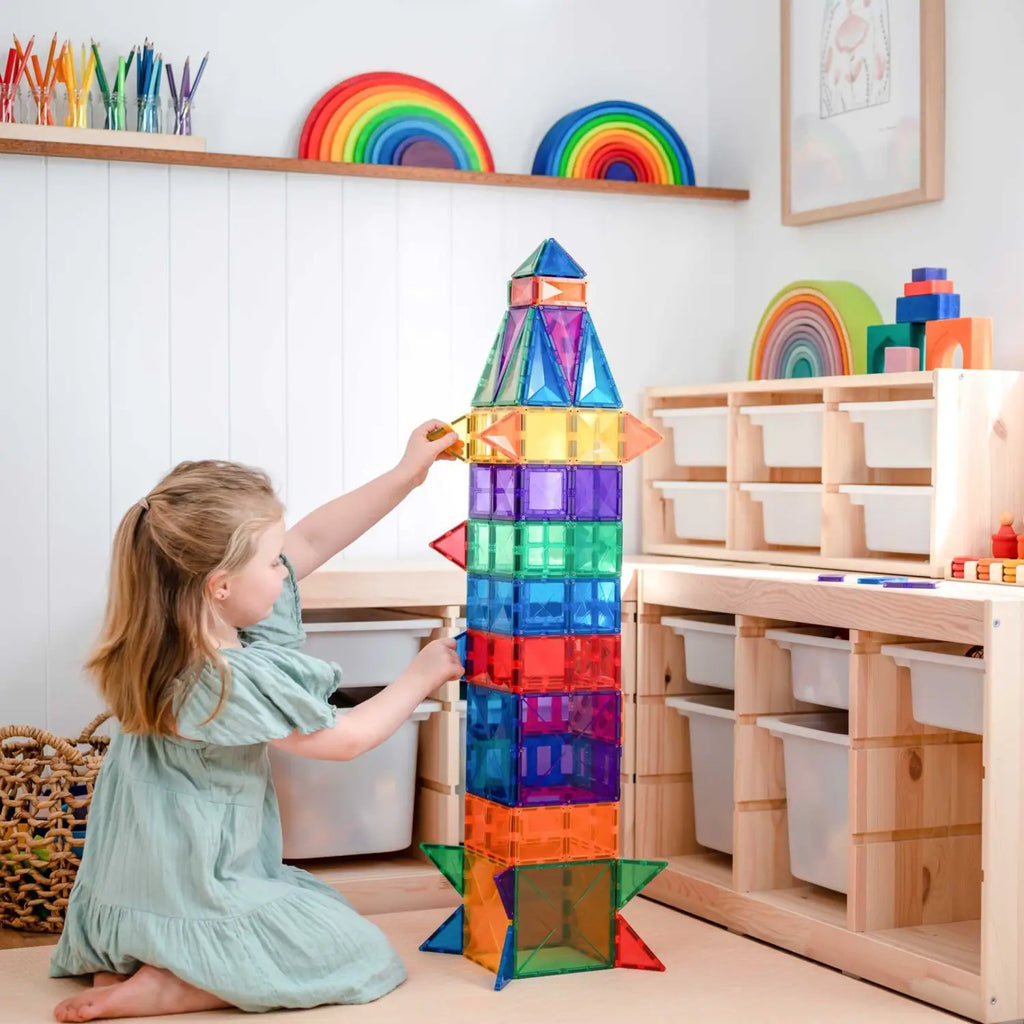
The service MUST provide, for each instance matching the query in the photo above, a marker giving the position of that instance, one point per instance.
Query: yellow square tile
(597, 435)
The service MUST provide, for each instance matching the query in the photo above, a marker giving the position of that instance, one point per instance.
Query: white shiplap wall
(305, 324)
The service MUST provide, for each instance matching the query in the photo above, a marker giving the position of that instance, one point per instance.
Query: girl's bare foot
(101, 979)
(149, 992)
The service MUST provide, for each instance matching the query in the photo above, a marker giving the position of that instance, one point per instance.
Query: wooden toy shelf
(232, 161)
(894, 473)
(929, 846)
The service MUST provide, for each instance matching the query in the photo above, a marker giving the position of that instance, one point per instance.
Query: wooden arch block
(973, 334)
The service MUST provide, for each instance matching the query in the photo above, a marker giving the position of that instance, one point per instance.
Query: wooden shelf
(231, 161)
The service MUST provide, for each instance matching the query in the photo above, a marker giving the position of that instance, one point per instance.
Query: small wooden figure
(1004, 541)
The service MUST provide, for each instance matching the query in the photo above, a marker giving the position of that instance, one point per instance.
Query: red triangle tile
(452, 545)
(631, 950)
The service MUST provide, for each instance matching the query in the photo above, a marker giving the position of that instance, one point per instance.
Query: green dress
(182, 864)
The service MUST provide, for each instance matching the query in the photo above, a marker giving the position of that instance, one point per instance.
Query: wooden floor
(712, 975)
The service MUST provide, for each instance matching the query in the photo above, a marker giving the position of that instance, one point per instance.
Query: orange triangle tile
(636, 437)
(506, 435)
(457, 450)
(631, 950)
(452, 545)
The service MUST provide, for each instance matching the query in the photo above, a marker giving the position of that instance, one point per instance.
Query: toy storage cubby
(892, 848)
(895, 473)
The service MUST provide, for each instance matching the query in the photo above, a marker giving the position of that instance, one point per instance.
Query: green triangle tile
(595, 386)
(543, 383)
(633, 875)
(528, 267)
(512, 380)
(448, 860)
(488, 384)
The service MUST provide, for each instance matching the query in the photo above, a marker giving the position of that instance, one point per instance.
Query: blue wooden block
(928, 274)
(919, 309)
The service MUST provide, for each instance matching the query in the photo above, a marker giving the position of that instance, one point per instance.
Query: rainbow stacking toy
(389, 118)
(615, 140)
(539, 873)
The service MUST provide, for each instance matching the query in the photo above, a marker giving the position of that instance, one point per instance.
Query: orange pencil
(49, 60)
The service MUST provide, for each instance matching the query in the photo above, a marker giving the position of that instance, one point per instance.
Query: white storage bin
(897, 435)
(817, 756)
(710, 647)
(699, 508)
(819, 665)
(897, 519)
(712, 746)
(370, 653)
(947, 688)
(345, 808)
(791, 513)
(791, 434)
(699, 436)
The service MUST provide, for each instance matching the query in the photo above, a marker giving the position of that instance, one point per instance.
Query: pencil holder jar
(11, 103)
(179, 116)
(78, 113)
(43, 105)
(112, 113)
(148, 119)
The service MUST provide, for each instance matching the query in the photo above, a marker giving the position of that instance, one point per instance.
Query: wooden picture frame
(862, 131)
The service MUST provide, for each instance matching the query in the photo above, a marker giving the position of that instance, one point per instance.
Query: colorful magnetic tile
(510, 763)
(543, 664)
(632, 951)
(596, 492)
(543, 548)
(596, 606)
(540, 491)
(448, 937)
(595, 386)
(596, 548)
(541, 835)
(485, 919)
(546, 291)
(453, 545)
(564, 325)
(565, 918)
(549, 258)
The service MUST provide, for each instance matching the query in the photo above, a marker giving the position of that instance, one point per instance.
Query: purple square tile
(597, 492)
(480, 493)
(545, 491)
(504, 503)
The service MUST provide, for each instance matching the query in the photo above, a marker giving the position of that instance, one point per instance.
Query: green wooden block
(883, 336)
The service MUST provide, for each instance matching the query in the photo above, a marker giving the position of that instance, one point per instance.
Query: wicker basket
(45, 789)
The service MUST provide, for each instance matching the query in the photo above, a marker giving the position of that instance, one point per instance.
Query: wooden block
(880, 698)
(763, 681)
(915, 882)
(760, 859)
(664, 821)
(928, 288)
(970, 570)
(973, 334)
(902, 360)
(915, 787)
(629, 647)
(627, 765)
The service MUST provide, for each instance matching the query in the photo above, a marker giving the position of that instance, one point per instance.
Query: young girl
(182, 902)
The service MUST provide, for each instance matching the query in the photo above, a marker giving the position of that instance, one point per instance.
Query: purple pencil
(199, 75)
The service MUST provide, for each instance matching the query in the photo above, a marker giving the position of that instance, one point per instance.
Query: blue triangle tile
(554, 261)
(549, 259)
(595, 386)
(447, 938)
(543, 382)
(506, 966)
(505, 883)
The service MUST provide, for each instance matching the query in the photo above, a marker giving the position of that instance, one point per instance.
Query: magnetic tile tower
(539, 871)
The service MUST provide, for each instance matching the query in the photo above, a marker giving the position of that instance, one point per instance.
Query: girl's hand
(436, 664)
(420, 453)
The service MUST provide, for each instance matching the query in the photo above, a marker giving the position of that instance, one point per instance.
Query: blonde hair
(201, 518)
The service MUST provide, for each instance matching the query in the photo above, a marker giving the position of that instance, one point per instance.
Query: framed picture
(863, 106)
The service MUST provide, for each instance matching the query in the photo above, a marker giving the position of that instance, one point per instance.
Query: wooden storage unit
(932, 843)
(896, 473)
